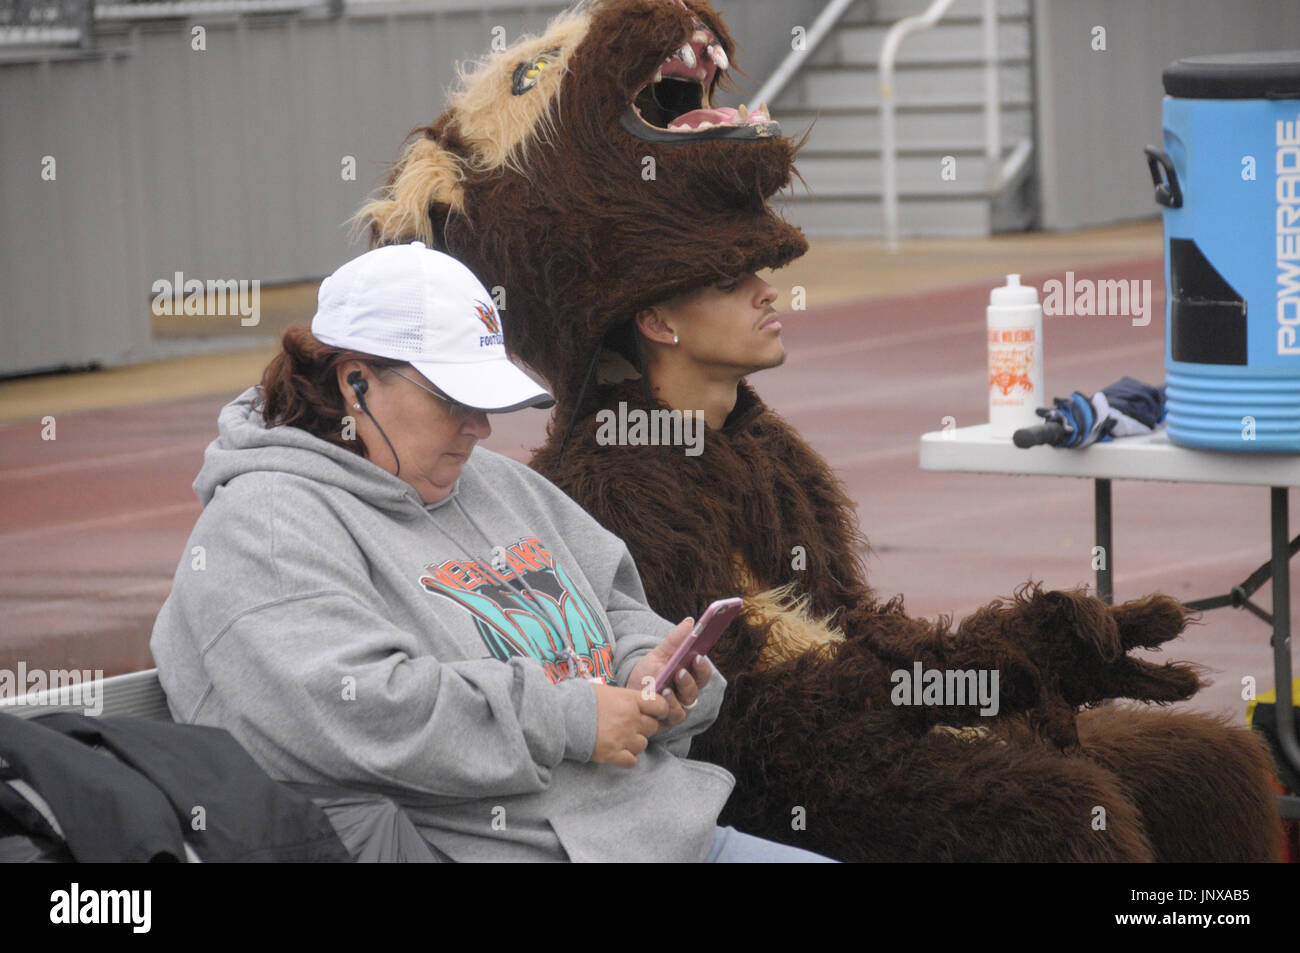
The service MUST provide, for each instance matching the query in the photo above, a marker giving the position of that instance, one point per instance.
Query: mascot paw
(1088, 644)
(1147, 624)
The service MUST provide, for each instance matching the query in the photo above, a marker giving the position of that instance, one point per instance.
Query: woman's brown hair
(300, 387)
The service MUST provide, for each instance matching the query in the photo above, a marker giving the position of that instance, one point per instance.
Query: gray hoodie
(343, 631)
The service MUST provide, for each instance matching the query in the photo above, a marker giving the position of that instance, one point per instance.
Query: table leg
(1284, 708)
(1101, 510)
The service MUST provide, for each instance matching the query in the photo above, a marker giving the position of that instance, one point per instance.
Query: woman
(368, 600)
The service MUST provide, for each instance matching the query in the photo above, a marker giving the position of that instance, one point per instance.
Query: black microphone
(1049, 433)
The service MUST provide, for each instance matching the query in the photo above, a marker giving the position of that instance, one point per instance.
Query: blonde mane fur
(499, 126)
(794, 629)
(496, 127)
(425, 174)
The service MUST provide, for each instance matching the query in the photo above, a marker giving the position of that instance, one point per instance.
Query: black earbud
(359, 384)
(359, 387)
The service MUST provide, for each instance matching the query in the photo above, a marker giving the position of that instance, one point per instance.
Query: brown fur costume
(536, 178)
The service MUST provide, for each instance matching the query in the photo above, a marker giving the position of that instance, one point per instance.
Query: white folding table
(1153, 457)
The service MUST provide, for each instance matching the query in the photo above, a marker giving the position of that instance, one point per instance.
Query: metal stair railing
(888, 145)
(821, 27)
(997, 172)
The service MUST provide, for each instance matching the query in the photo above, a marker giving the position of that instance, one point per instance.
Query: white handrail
(992, 102)
(888, 148)
(1015, 162)
(995, 170)
(825, 21)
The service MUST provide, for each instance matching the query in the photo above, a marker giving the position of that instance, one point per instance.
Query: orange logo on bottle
(1009, 368)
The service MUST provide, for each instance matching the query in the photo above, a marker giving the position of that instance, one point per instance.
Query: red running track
(93, 524)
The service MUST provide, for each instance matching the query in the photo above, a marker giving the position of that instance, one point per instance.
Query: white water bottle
(1015, 339)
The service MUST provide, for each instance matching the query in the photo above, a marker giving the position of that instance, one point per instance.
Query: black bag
(136, 789)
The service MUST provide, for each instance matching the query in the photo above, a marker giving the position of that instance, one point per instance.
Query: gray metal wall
(227, 163)
(1096, 110)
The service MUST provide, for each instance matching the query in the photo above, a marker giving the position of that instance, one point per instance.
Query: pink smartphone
(712, 624)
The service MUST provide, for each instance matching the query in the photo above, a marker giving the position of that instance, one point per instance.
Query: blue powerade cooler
(1229, 181)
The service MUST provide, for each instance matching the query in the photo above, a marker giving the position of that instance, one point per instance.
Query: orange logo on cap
(487, 314)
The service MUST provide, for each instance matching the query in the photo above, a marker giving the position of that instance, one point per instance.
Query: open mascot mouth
(674, 104)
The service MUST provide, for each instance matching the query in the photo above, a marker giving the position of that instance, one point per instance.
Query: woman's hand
(685, 686)
(626, 718)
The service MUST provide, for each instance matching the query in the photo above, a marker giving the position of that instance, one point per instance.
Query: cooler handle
(1167, 191)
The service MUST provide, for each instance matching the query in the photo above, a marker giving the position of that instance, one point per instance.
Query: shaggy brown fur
(543, 193)
(584, 229)
(1181, 769)
(820, 731)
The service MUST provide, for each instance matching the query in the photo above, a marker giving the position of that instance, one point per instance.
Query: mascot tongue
(695, 117)
(720, 115)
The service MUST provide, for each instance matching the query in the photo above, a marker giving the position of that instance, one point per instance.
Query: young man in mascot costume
(587, 173)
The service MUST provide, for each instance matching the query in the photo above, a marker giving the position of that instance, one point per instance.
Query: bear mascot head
(587, 173)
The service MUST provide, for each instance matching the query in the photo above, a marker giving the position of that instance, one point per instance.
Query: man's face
(728, 329)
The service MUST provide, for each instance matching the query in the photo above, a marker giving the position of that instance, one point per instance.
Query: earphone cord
(391, 448)
(359, 388)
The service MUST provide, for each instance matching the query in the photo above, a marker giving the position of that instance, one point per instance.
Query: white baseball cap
(412, 303)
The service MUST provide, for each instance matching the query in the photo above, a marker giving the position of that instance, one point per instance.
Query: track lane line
(98, 522)
(89, 463)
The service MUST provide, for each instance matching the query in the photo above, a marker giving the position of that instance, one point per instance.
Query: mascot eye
(527, 73)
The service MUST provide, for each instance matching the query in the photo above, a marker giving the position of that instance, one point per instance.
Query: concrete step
(935, 84)
(953, 41)
(838, 130)
(862, 174)
(862, 217)
(939, 82)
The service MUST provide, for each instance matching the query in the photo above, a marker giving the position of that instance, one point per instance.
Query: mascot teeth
(687, 56)
(659, 75)
(743, 113)
(718, 56)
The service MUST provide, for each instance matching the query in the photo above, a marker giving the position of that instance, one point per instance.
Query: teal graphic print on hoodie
(534, 621)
